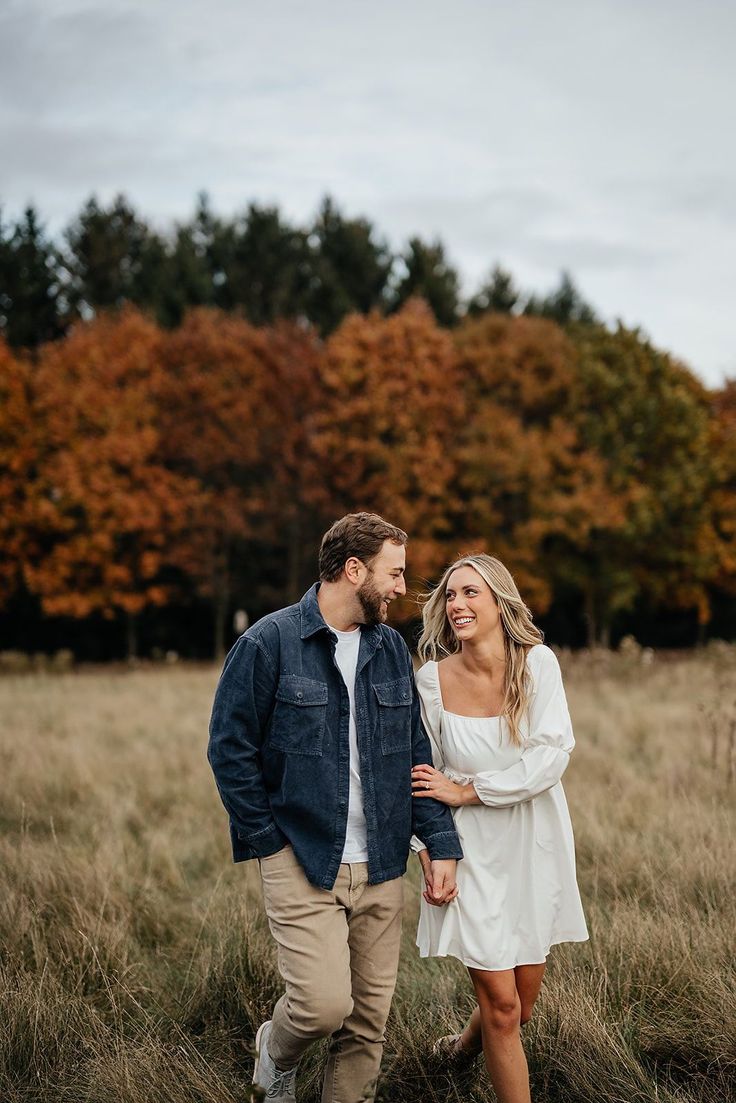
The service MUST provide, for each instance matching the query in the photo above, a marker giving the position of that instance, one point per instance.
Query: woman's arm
(548, 745)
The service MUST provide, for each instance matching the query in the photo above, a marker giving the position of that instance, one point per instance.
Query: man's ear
(352, 568)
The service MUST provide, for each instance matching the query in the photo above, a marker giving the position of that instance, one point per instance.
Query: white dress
(517, 889)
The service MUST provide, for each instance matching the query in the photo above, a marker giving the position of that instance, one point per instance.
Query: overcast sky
(588, 135)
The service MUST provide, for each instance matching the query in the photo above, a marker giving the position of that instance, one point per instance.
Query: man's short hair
(357, 534)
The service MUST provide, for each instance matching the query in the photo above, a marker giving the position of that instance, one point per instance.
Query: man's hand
(426, 865)
(439, 879)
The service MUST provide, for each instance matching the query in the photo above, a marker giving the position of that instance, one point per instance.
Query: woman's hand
(428, 782)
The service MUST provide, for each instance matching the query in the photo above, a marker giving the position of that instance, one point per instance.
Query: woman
(495, 710)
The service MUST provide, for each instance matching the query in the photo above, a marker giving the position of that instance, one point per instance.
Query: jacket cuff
(442, 845)
(266, 842)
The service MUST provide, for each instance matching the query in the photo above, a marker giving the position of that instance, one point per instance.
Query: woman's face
(471, 608)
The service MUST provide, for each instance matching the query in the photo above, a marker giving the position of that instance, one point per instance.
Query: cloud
(51, 59)
(585, 136)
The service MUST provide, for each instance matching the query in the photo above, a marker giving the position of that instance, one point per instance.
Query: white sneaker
(276, 1084)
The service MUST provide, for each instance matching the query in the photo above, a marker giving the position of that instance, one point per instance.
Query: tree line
(256, 263)
(156, 478)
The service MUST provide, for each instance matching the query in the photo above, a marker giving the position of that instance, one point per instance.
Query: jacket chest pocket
(394, 714)
(299, 715)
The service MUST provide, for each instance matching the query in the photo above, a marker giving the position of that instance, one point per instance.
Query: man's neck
(337, 607)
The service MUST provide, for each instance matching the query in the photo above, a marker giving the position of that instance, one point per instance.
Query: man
(314, 731)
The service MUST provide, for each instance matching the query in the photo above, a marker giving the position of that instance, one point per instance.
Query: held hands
(428, 782)
(440, 886)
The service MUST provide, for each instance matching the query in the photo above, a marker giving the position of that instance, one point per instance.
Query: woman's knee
(502, 1014)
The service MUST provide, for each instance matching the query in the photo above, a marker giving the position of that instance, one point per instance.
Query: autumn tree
(106, 511)
(294, 514)
(215, 410)
(18, 457)
(385, 431)
(526, 482)
(647, 417)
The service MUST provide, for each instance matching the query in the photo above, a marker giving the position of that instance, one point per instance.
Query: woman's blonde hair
(520, 633)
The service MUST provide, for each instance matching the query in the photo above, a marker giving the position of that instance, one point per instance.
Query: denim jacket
(280, 752)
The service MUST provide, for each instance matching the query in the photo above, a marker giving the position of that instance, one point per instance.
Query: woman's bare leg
(528, 984)
(500, 1015)
(471, 1039)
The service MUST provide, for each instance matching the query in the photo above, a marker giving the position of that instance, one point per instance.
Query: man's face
(384, 581)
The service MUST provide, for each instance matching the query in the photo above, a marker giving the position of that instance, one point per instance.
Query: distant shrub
(19, 662)
(15, 662)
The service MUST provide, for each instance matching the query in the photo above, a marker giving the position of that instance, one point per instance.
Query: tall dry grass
(135, 960)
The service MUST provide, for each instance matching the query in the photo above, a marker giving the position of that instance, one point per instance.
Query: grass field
(135, 961)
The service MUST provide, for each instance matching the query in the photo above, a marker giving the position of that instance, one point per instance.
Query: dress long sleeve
(547, 745)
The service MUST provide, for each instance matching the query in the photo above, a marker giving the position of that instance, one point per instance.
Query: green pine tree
(32, 308)
(427, 273)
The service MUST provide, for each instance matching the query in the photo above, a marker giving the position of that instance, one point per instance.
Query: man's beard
(371, 603)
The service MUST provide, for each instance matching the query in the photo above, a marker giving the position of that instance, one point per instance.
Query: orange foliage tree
(136, 465)
(526, 487)
(106, 511)
(18, 455)
(212, 399)
(383, 434)
(293, 517)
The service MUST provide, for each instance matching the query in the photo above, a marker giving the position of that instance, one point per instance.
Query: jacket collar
(312, 621)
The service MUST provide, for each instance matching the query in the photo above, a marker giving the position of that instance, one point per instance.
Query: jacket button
(299, 696)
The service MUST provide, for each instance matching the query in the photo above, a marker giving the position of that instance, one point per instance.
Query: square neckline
(459, 715)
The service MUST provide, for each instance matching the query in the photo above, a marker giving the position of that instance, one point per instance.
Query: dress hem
(503, 968)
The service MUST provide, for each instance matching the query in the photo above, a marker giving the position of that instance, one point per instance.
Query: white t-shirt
(356, 838)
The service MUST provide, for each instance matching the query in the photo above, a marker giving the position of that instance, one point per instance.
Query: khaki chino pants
(338, 953)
